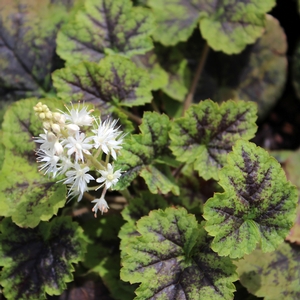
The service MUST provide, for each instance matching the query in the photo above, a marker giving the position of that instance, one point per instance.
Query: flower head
(50, 142)
(108, 177)
(79, 117)
(78, 144)
(108, 137)
(49, 162)
(78, 178)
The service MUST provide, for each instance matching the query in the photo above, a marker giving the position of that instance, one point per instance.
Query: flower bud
(58, 148)
(55, 128)
(72, 128)
(49, 115)
(42, 116)
(46, 125)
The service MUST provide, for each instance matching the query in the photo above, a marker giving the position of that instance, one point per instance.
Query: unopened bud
(51, 137)
(55, 128)
(58, 148)
(42, 116)
(46, 125)
(49, 115)
(72, 128)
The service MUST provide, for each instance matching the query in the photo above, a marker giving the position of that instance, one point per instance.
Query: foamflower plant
(75, 143)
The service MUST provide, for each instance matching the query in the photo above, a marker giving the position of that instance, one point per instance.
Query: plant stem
(132, 116)
(176, 172)
(189, 98)
(154, 106)
(126, 194)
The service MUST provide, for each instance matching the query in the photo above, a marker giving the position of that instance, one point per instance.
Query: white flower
(79, 117)
(50, 162)
(50, 142)
(78, 145)
(65, 164)
(108, 177)
(108, 137)
(101, 204)
(78, 179)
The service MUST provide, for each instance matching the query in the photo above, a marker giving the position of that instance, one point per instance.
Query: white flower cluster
(72, 146)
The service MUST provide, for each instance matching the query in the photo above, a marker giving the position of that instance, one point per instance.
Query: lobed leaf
(176, 20)
(176, 65)
(291, 167)
(172, 260)
(228, 26)
(38, 261)
(258, 204)
(274, 276)
(114, 81)
(257, 74)
(149, 61)
(137, 208)
(139, 155)
(105, 26)
(207, 132)
(25, 194)
(27, 42)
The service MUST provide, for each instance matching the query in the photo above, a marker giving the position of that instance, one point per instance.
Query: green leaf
(138, 207)
(176, 20)
(38, 261)
(291, 167)
(149, 61)
(176, 66)
(140, 152)
(207, 132)
(105, 26)
(26, 194)
(230, 27)
(257, 74)
(274, 276)
(258, 204)
(2, 150)
(227, 26)
(27, 36)
(172, 260)
(114, 81)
